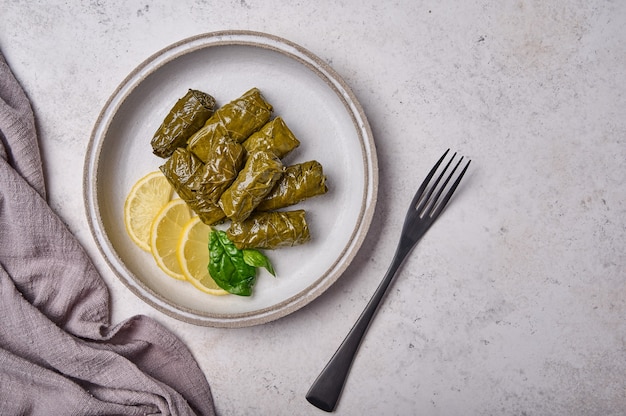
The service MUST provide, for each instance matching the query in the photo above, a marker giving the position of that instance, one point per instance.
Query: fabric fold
(59, 353)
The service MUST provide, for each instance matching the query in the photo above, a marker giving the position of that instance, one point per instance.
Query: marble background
(513, 304)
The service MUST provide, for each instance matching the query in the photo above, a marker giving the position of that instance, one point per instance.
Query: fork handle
(325, 391)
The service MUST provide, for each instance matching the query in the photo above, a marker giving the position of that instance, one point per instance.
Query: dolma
(186, 117)
(269, 230)
(182, 170)
(202, 141)
(257, 178)
(238, 118)
(274, 137)
(299, 182)
(208, 212)
(223, 163)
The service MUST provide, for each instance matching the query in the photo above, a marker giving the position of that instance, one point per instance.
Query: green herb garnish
(232, 269)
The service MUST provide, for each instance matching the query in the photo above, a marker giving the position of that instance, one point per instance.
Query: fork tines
(427, 200)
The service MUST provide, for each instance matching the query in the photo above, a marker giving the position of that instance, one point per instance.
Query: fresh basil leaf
(227, 266)
(257, 259)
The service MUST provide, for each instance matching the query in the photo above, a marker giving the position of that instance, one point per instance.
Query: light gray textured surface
(514, 303)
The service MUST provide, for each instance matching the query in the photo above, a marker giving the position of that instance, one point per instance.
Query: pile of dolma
(226, 163)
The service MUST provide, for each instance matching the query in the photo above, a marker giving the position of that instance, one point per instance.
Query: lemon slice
(145, 199)
(193, 256)
(165, 233)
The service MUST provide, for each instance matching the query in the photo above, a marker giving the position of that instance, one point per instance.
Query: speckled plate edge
(370, 191)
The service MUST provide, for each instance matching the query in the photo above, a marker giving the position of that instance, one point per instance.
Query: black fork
(426, 206)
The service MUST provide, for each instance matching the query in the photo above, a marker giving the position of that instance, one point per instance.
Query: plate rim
(160, 58)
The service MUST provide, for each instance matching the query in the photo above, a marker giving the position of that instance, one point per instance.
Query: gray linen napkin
(59, 354)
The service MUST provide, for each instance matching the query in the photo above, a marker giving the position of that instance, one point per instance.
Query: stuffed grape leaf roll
(184, 172)
(202, 141)
(299, 182)
(269, 230)
(186, 117)
(238, 119)
(274, 137)
(223, 163)
(257, 178)
(180, 169)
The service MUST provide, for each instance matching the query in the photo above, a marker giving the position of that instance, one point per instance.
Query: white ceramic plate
(316, 104)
